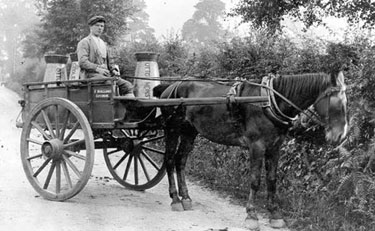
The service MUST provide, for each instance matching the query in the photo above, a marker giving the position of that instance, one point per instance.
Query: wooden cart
(64, 122)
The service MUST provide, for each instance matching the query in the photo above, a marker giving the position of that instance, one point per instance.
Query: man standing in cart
(94, 60)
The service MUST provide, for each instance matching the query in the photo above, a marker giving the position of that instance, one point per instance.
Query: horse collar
(271, 108)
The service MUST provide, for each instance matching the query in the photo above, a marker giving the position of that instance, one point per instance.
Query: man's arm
(111, 61)
(83, 51)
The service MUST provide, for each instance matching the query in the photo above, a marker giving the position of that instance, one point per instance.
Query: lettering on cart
(102, 93)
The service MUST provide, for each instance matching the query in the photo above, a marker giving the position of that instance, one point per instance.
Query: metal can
(148, 71)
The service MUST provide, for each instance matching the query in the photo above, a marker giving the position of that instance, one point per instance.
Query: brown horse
(258, 128)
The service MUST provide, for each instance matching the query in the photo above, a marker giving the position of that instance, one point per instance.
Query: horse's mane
(294, 85)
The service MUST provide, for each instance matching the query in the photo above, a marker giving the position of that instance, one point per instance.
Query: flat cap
(95, 19)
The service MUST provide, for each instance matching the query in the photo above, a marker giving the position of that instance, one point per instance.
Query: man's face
(97, 29)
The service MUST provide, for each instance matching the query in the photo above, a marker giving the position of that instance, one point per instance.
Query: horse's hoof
(177, 207)
(252, 224)
(187, 204)
(277, 223)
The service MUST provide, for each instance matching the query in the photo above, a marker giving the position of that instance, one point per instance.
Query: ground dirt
(103, 204)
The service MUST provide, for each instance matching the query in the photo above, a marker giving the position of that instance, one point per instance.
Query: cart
(65, 121)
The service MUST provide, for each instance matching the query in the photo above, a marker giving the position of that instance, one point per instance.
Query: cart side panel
(34, 95)
(79, 96)
(103, 111)
(96, 102)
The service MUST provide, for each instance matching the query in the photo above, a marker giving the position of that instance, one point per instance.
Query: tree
(270, 13)
(138, 24)
(204, 26)
(64, 22)
(15, 17)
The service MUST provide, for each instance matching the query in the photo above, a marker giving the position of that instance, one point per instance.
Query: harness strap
(273, 101)
(233, 91)
(268, 90)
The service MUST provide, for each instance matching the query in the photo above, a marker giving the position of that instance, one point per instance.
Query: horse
(258, 127)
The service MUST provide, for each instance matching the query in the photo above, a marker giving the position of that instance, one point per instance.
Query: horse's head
(331, 107)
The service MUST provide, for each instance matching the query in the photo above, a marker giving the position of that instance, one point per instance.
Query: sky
(168, 16)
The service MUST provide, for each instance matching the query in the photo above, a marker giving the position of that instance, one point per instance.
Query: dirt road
(103, 204)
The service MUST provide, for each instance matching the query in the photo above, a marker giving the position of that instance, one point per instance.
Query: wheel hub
(53, 149)
(127, 145)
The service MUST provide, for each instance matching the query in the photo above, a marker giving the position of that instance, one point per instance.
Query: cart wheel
(137, 159)
(57, 149)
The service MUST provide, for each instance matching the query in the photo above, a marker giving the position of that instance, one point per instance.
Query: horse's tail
(159, 89)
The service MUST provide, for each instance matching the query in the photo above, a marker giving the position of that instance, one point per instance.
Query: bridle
(327, 93)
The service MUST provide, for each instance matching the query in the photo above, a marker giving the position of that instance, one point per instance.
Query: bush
(320, 187)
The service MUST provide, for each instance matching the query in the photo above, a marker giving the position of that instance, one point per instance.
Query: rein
(271, 106)
(267, 84)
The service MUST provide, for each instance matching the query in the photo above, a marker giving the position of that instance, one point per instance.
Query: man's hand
(102, 71)
(116, 70)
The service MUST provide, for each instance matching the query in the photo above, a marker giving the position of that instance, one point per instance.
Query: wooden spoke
(48, 123)
(71, 133)
(64, 125)
(41, 167)
(74, 143)
(34, 157)
(34, 141)
(144, 133)
(127, 168)
(153, 150)
(114, 151)
(41, 130)
(57, 120)
(152, 162)
(152, 139)
(58, 177)
(48, 179)
(70, 153)
(136, 170)
(72, 166)
(66, 174)
(120, 161)
(144, 169)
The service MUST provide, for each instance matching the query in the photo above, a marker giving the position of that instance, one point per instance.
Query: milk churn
(74, 69)
(56, 67)
(146, 67)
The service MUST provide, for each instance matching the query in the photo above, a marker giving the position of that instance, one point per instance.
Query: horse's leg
(171, 143)
(185, 147)
(256, 152)
(271, 163)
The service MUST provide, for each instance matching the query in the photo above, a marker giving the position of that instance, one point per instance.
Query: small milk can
(147, 67)
(74, 69)
(56, 67)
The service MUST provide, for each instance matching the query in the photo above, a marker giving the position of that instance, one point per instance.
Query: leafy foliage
(321, 187)
(64, 23)
(138, 27)
(269, 14)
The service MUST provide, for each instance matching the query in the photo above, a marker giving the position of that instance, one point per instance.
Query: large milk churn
(56, 67)
(146, 67)
(74, 69)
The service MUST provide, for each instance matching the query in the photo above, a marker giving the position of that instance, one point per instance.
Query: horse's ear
(340, 80)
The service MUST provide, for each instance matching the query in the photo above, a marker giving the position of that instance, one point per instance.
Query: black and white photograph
(187, 115)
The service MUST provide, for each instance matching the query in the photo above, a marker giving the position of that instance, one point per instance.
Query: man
(94, 60)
